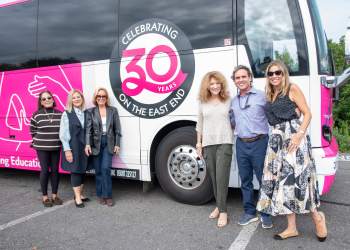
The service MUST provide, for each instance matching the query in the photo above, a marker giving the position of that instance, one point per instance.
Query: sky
(335, 15)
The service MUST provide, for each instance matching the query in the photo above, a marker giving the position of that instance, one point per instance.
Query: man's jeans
(250, 157)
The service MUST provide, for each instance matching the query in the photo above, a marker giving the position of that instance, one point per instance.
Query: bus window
(76, 31)
(18, 36)
(206, 23)
(324, 62)
(272, 30)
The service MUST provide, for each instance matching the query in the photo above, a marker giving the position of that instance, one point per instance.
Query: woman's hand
(88, 150)
(116, 150)
(69, 156)
(295, 142)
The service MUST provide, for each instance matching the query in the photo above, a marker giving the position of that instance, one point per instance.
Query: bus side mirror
(336, 81)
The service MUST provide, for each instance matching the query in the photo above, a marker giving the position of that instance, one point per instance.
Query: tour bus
(151, 56)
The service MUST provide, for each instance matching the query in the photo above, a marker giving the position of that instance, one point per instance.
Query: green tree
(341, 109)
(287, 59)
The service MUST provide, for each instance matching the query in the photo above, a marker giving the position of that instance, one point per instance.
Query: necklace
(49, 116)
(246, 104)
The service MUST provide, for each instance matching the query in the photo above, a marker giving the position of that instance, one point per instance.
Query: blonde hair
(204, 93)
(95, 95)
(69, 105)
(285, 83)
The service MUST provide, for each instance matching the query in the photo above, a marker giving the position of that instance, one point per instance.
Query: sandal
(57, 201)
(223, 220)
(214, 214)
(321, 227)
(47, 203)
(284, 236)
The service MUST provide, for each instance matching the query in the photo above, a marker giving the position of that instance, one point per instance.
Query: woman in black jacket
(102, 141)
(72, 135)
(44, 128)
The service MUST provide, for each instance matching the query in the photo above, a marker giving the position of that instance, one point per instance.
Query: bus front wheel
(180, 172)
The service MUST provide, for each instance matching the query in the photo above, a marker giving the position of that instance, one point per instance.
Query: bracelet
(301, 131)
(198, 145)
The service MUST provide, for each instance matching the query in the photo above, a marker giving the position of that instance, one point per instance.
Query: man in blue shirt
(247, 115)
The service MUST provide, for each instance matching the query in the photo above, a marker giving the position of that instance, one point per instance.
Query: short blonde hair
(269, 90)
(95, 95)
(204, 93)
(69, 105)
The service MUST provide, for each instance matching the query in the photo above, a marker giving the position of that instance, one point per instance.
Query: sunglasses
(277, 73)
(47, 98)
(101, 97)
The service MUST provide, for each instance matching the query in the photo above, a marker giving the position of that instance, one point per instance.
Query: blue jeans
(250, 157)
(102, 164)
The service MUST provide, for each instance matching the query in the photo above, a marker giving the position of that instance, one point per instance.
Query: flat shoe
(79, 205)
(109, 202)
(57, 201)
(321, 228)
(47, 203)
(102, 201)
(285, 236)
(222, 222)
(214, 214)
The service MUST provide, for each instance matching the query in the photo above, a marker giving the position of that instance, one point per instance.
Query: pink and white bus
(151, 56)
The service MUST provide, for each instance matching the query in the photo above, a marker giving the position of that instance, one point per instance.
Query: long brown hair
(204, 93)
(285, 83)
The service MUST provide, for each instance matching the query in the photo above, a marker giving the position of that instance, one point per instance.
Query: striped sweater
(44, 128)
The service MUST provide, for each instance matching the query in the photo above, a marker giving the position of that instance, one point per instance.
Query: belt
(252, 139)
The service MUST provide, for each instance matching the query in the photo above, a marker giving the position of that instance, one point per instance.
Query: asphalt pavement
(151, 220)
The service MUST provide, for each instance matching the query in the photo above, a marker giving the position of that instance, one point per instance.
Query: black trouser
(77, 179)
(49, 160)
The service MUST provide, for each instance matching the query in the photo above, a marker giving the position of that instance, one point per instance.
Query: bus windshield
(324, 58)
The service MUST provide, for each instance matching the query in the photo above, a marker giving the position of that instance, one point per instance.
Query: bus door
(269, 30)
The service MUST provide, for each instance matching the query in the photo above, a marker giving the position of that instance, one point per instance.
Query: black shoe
(79, 205)
(47, 203)
(86, 199)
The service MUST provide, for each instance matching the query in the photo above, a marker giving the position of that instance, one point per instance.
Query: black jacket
(94, 129)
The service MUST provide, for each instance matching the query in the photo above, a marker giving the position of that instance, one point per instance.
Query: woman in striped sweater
(44, 128)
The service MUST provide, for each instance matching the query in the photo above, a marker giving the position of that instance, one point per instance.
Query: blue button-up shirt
(247, 114)
(64, 127)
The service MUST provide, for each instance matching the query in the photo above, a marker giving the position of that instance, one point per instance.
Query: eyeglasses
(46, 98)
(277, 73)
(101, 97)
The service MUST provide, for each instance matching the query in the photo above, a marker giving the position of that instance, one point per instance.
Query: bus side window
(272, 29)
(18, 36)
(72, 31)
(206, 23)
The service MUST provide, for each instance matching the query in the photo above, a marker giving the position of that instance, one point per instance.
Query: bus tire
(179, 170)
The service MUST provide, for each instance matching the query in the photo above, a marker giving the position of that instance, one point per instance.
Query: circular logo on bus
(155, 71)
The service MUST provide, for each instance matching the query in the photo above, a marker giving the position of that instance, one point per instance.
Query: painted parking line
(34, 215)
(244, 236)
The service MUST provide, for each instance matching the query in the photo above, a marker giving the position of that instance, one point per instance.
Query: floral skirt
(289, 182)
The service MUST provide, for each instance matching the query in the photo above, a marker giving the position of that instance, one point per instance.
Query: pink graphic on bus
(19, 91)
(6, 3)
(169, 81)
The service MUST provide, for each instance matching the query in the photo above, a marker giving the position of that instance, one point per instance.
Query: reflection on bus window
(18, 36)
(206, 23)
(324, 63)
(270, 34)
